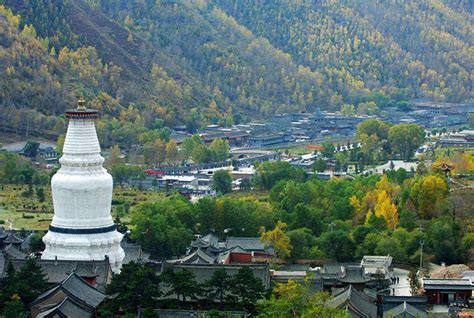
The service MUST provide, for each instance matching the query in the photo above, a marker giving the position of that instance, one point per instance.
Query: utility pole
(422, 242)
(421, 255)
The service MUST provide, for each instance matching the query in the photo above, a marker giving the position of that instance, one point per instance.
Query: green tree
(201, 154)
(114, 156)
(14, 308)
(405, 139)
(189, 143)
(373, 135)
(40, 194)
(319, 165)
(181, 283)
(444, 240)
(369, 108)
(122, 173)
(222, 181)
(360, 232)
(428, 194)
(246, 288)
(7, 286)
(391, 246)
(60, 144)
(306, 216)
(171, 151)
(218, 286)
(348, 110)
(219, 149)
(471, 120)
(369, 244)
(137, 286)
(414, 282)
(164, 228)
(338, 245)
(270, 172)
(328, 150)
(467, 247)
(278, 239)
(36, 242)
(297, 300)
(302, 241)
(28, 283)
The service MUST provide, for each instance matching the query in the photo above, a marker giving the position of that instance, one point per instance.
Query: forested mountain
(418, 48)
(210, 61)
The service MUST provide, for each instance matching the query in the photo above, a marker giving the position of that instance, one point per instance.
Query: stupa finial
(81, 104)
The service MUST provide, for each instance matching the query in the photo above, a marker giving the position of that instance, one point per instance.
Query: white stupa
(82, 226)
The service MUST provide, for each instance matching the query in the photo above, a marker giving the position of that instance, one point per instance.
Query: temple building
(82, 228)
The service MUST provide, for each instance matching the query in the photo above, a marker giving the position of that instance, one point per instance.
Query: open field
(24, 209)
(27, 212)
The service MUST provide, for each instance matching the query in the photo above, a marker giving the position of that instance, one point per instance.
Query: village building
(72, 297)
(356, 303)
(448, 291)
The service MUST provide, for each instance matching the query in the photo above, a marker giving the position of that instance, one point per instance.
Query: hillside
(138, 61)
(418, 48)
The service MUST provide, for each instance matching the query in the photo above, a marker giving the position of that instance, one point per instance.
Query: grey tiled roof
(333, 269)
(354, 275)
(405, 311)
(447, 284)
(80, 289)
(209, 240)
(12, 252)
(12, 239)
(203, 272)
(77, 289)
(246, 243)
(197, 257)
(69, 307)
(57, 271)
(25, 246)
(355, 302)
(133, 252)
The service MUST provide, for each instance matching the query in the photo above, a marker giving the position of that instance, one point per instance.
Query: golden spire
(81, 104)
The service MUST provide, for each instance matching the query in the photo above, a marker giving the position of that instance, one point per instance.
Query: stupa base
(85, 247)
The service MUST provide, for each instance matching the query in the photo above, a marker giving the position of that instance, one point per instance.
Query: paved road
(402, 288)
(17, 146)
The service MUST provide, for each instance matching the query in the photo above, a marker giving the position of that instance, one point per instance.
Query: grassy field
(27, 212)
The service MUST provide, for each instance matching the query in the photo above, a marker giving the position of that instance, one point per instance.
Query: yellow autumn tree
(278, 240)
(462, 162)
(368, 216)
(114, 156)
(387, 209)
(428, 194)
(358, 208)
(171, 151)
(393, 190)
(212, 112)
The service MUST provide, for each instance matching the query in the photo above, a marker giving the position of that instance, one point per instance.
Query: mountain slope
(420, 48)
(215, 61)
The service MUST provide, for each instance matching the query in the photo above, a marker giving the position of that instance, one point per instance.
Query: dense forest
(213, 61)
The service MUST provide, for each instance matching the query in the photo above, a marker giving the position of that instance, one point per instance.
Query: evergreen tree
(182, 283)
(137, 286)
(218, 286)
(246, 288)
(30, 281)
